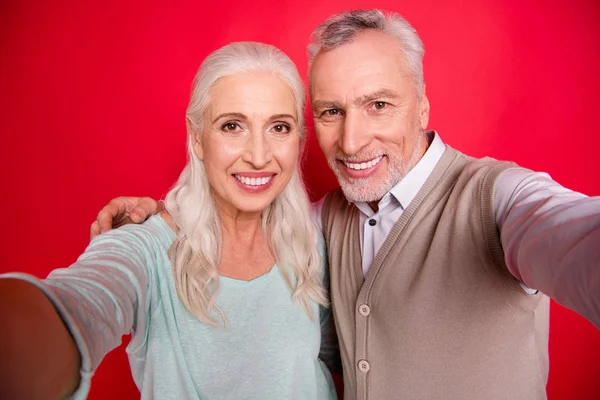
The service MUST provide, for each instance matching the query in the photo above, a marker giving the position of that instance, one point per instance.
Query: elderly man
(441, 265)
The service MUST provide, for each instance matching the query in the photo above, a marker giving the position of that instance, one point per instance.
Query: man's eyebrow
(230, 115)
(379, 94)
(324, 104)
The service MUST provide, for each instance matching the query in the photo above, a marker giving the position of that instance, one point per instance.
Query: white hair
(341, 28)
(292, 235)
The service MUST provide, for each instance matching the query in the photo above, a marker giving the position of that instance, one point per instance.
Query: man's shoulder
(333, 200)
(473, 165)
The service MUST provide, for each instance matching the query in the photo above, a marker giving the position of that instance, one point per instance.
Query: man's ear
(196, 139)
(424, 110)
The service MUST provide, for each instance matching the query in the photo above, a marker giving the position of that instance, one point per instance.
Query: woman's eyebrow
(230, 115)
(281, 116)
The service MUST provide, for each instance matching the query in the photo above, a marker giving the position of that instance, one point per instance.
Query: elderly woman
(223, 294)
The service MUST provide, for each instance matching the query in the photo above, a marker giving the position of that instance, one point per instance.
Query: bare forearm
(39, 357)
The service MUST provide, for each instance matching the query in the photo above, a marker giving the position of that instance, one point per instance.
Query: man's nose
(356, 134)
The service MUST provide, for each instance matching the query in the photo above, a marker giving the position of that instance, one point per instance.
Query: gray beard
(358, 190)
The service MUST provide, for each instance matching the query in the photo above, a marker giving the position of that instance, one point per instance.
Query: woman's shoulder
(154, 234)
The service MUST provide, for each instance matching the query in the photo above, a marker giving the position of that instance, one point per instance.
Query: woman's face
(250, 144)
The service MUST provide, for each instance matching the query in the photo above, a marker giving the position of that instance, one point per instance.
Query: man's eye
(332, 112)
(379, 105)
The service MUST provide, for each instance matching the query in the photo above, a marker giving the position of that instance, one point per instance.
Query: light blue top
(123, 283)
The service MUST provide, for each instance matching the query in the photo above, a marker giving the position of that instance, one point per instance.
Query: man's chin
(362, 193)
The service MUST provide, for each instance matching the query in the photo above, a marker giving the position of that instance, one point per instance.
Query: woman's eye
(230, 126)
(281, 128)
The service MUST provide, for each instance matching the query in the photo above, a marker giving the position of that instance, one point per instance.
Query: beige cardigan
(438, 316)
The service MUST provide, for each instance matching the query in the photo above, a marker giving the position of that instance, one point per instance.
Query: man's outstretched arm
(551, 239)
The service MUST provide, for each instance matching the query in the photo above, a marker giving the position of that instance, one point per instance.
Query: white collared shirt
(529, 208)
(393, 204)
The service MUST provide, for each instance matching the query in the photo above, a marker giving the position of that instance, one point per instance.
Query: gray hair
(196, 253)
(341, 28)
(240, 57)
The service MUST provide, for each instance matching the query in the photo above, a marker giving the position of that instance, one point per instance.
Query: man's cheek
(325, 141)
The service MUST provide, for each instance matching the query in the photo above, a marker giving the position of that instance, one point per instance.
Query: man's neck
(418, 154)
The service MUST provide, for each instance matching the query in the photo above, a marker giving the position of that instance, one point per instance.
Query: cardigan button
(363, 366)
(364, 310)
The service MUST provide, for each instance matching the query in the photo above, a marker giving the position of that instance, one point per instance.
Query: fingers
(94, 229)
(124, 210)
(113, 212)
(145, 208)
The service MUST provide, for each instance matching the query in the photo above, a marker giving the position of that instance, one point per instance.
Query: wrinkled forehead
(256, 93)
(369, 62)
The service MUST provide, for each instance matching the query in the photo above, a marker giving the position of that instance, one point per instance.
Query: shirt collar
(408, 187)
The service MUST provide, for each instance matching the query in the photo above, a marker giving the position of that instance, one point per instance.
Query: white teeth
(359, 166)
(253, 181)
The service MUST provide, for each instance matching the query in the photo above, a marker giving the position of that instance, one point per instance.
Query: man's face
(369, 119)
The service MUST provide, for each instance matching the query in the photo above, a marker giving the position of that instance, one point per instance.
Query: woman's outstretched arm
(39, 357)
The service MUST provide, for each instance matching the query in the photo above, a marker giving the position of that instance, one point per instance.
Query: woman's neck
(245, 252)
(243, 227)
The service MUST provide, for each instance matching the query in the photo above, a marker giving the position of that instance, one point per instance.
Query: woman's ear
(196, 139)
(198, 146)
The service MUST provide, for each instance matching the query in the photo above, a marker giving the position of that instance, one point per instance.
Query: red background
(92, 100)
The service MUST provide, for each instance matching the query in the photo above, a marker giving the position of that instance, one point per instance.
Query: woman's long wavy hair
(292, 235)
